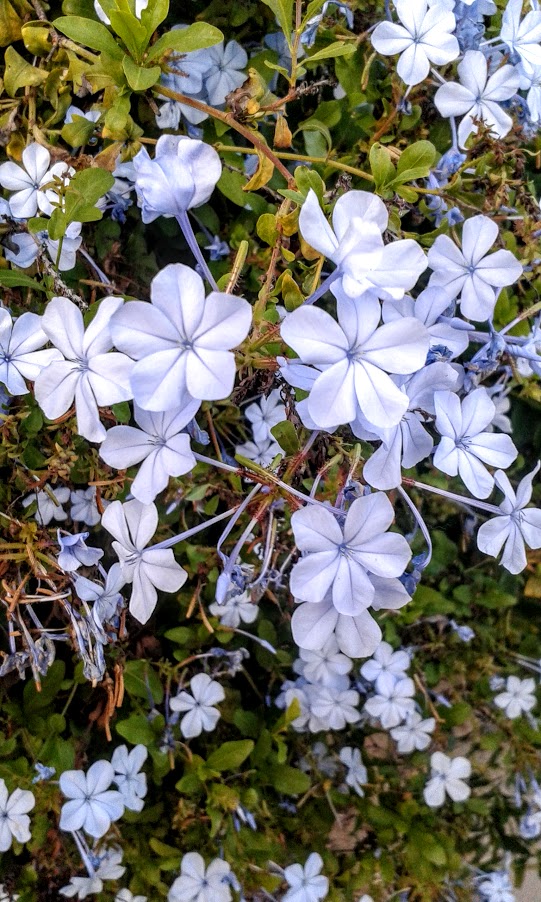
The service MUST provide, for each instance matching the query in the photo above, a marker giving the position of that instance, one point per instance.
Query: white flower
(84, 507)
(124, 895)
(447, 776)
(201, 715)
(20, 358)
(261, 453)
(237, 609)
(89, 374)
(264, 415)
(478, 96)
(356, 355)
(522, 37)
(6, 896)
(27, 246)
(223, 75)
(393, 702)
(110, 868)
(132, 785)
(517, 698)
(181, 340)
(49, 504)
(92, 804)
(425, 36)
(199, 884)
(27, 181)
(14, 820)
(407, 443)
(357, 773)
(325, 665)
(342, 557)
(530, 80)
(465, 446)
(356, 245)
(428, 309)
(182, 175)
(496, 887)
(331, 707)
(306, 884)
(414, 733)
(74, 552)
(107, 599)
(159, 443)
(386, 661)
(358, 635)
(469, 272)
(133, 524)
(516, 526)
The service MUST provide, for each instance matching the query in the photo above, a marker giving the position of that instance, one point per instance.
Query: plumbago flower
(393, 701)
(89, 373)
(429, 309)
(133, 524)
(414, 733)
(340, 558)
(386, 661)
(343, 572)
(357, 773)
(200, 884)
(448, 776)
(306, 883)
(406, 444)
(159, 443)
(224, 70)
(471, 272)
(268, 412)
(131, 784)
(424, 36)
(515, 527)
(49, 504)
(20, 357)
(182, 175)
(464, 446)
(199, 705)
(522, 37)
(181, 340)
(14, 820)
(517, 698)
(27, 181)
(109, 868)
(478, 96)
(364, 263)
(356, 355)
(92, 804)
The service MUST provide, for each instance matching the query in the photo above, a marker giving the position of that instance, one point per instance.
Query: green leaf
(306, 178)
(90, 33)
(289, 780)
(84, 190)
(34, 701)
(266, 228)
(314, 125)
(415, 162)
(230, 755)
(338, 48)
(136, 729)
(381, 166)
(286, 436)
(78, 132)
(154, 14)
(142, 681)
(183, 40)
(139, 78)
(10, 278)
(130, 31)
(19, 73)
(179, 634)
(283, 11)
(10, 24)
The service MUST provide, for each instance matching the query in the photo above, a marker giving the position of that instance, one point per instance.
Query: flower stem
(188, 232)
